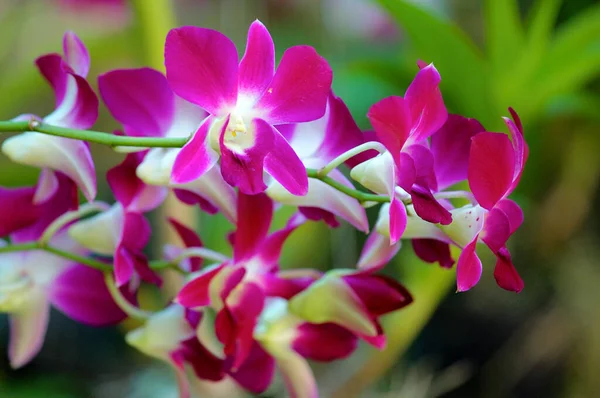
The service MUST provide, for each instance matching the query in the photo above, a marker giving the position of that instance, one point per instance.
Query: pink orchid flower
(245, 101)
(142, 101)
(496, 163)
(403, 125)
(237, 289)
(317, 143)
(122, 231)
(76, 107)
(32, 281)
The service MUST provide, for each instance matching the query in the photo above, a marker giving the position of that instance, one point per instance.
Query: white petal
(101, 232)
(27, 330)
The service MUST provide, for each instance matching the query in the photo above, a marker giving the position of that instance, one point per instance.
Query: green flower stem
(159, 142)
(131, 310)
(91, 136)
(90, 262)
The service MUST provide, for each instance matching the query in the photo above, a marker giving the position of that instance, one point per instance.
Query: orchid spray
(242, 137)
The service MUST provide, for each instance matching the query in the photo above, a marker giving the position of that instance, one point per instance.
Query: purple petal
(450, 146)
(398, 220)
(424, 99)
(64, 199)
(283, 164)
(520, 146)
(433, 250)
(505, 273)
(257, 371)
(491, 168)
(196, 292)
(18, 209)
(76, 55)
(380, 294)
(81, 293)
(428, 208)
(196, 157)
(205, 365)
(126, 185)
(513, 212)
(392, 122)
(468, 270)
(255, 213)
(192, 199)
(202, 67)
(140, 99)
(299, 89)
(27, 331)
(496, 230)
(368, 136)
(243, 168)
(316, 214)
(190, 238)
(76, 102)
(270, 249)
(326, 342)
(257, 66)
(377, 252)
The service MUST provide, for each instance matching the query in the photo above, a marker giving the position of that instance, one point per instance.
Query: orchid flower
(31, 281)
(496, 163)
(403, 125)
(143, 102)
(245, 101)
(317, 143)
(237, 289)
(122, 231)
(76, 107)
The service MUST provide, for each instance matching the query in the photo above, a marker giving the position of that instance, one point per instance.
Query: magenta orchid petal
(491, 168)
(377, 252)
(298, 92)
(406, 175)
(380, 294)
(513, 212)
(450, 146)
(257, 66)
(398, 220)
(468, 269)
(243, 168)
(505, 273)
(76, 102)
(80, 293)
(245, 303)
(27, 331)
(428, 208)
(433, 250)
(496, 230)
(423, 161)
(193, 199)
(269, 250)
(368, 136)
(19, 209)
(190, 238)
(76, 54)
(284, 165)
(520, 146)
(205, 365)
(196, 292)
(392, 122)
(255, 213)
(140, 99)
(196, 157)
(257, 371)
(287, 286)
(325, 342)
(424, 99)
(202, 67)
(64, 199)
(316, 214)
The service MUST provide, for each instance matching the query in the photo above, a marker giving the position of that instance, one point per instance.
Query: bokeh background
(541, 57)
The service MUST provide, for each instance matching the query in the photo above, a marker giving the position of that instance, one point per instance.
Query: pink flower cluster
(254, 130)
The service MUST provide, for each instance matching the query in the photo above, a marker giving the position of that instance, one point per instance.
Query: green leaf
(461, 64)
(504, 35)
(573, 59)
